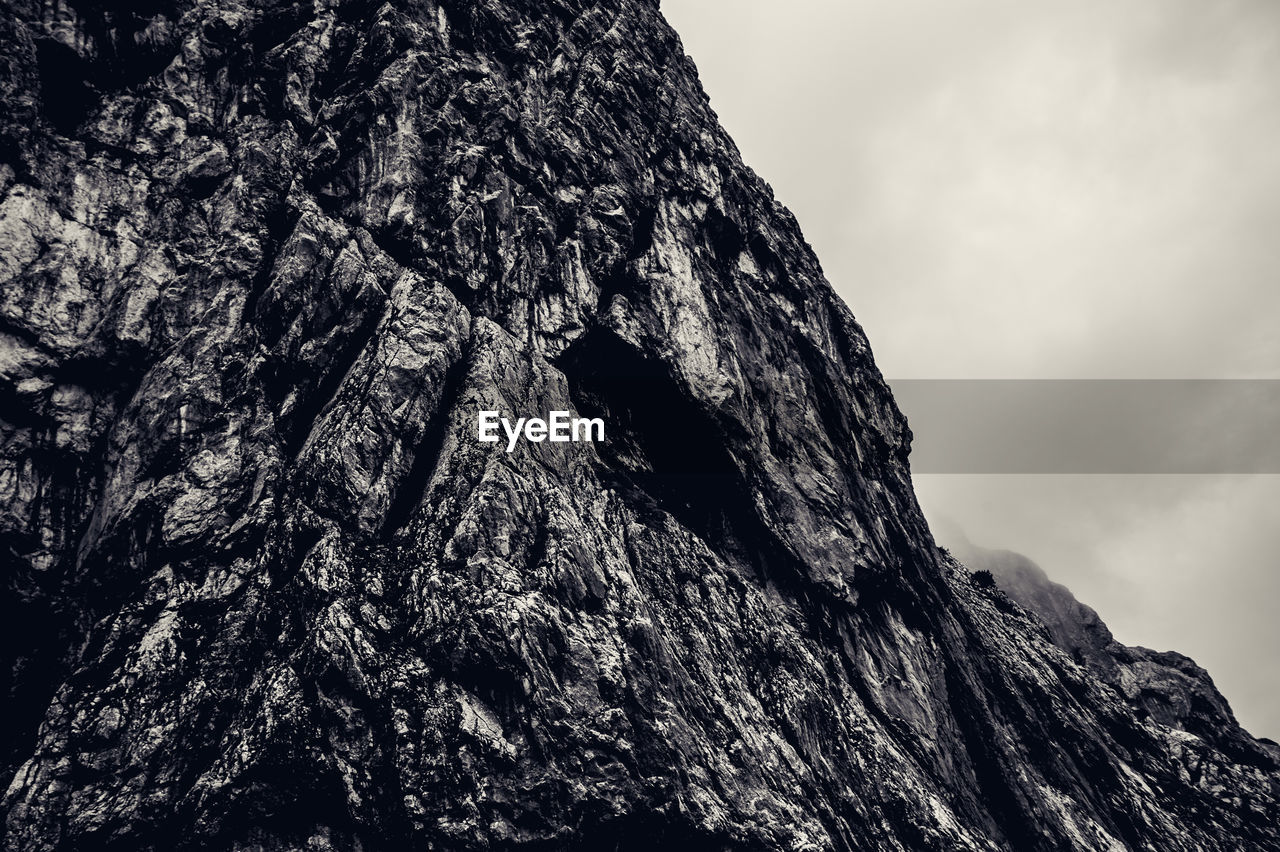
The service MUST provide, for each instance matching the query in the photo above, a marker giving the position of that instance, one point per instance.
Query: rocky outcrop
(262, 263)
(1162, 686)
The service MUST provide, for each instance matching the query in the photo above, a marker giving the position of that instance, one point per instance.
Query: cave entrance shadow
(667, 452)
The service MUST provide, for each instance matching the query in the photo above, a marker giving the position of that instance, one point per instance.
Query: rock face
(262, 263)
(1162, 686)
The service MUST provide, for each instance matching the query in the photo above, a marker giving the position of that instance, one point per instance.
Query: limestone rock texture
(261, 264)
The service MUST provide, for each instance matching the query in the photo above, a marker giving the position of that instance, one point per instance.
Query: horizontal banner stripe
(1197, 426)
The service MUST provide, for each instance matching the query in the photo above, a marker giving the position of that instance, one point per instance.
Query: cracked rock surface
(262, 263)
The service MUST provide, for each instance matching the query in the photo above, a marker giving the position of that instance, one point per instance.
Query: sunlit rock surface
(261, 264)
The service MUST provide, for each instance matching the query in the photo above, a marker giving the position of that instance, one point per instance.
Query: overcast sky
(1077, 189)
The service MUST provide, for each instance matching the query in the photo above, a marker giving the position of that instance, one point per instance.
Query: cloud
(1078, 189)
(1010, 190)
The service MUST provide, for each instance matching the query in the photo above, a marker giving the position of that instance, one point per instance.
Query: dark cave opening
(665, 450)
(65, 93)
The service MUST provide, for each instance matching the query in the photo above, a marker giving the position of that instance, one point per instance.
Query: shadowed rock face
(261, 266)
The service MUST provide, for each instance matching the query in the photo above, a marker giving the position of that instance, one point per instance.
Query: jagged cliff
(1164, 686)
(261, 265)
